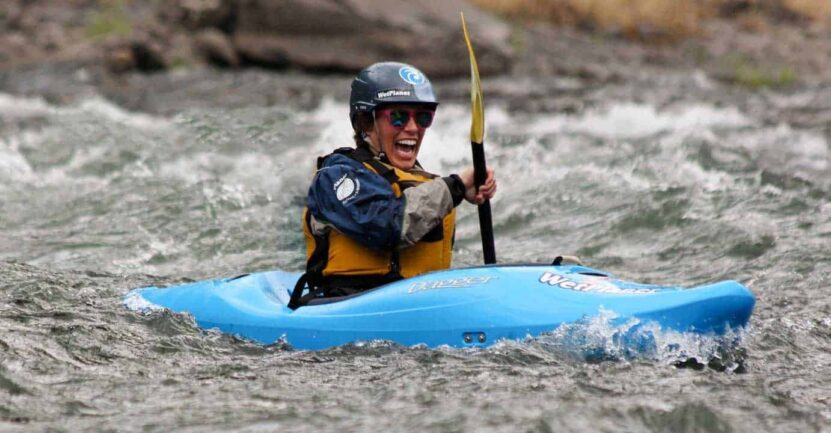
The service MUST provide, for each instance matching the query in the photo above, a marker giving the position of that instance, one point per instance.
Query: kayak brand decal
(384, 94)
(453, 283)
(590, 284)
(411, 75)
(347, 188)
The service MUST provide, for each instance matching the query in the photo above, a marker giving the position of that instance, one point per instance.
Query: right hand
(485, 192)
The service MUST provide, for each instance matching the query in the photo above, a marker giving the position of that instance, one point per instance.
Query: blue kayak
(466, 307)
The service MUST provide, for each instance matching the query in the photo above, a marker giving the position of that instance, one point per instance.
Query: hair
(363, 122)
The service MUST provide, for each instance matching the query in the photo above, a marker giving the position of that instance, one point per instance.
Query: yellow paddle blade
(477, 124)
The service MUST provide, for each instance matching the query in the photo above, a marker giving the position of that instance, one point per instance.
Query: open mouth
(406, 147)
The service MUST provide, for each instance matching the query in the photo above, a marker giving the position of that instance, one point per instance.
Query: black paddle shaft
(480, 174)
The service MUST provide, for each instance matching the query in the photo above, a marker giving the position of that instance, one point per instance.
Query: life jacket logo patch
(347, 188)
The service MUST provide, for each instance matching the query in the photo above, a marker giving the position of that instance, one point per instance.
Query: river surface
(671, 180)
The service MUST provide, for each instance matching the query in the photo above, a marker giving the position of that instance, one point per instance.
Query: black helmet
(389, 83)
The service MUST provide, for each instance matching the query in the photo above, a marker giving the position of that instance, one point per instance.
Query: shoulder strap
(365, 156)
(384, 171)
(346, 151)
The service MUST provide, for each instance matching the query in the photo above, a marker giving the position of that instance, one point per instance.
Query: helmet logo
(392, 93)
(411, 75)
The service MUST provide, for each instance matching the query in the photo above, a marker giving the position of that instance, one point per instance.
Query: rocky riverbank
(121, 36)
(100, 42)
(313, 36)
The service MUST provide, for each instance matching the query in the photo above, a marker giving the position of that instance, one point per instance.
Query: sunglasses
(399, 118)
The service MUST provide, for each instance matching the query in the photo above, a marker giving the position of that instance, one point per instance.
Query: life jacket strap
(296, 299)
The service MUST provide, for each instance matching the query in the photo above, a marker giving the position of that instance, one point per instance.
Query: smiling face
(398, 131)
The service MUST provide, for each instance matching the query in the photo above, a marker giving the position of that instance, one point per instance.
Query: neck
(371, 146)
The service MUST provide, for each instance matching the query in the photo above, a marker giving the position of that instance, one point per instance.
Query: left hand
(486, 191)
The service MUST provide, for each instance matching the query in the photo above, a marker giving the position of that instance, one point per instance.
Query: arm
(426, 206)
(348, 197)
(428, 203)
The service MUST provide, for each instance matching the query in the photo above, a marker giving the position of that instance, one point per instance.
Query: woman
(373, 214)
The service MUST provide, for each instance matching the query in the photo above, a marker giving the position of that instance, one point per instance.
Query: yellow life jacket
(334, 259)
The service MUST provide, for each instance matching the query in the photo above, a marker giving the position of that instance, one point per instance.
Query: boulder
(13, 46)
(149, 55)
(198, 14)
(347, 35)
(217, 48)
(140, 54)
(119, 58)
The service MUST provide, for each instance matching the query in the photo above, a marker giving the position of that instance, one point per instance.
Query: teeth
(406, 142)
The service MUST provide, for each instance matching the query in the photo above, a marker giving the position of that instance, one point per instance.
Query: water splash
(21, 107)
(605, 338)
(133, 301)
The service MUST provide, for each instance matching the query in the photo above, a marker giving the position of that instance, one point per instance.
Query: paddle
(477, 142)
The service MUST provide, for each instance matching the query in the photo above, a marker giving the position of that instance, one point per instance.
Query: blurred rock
(200, 14)
(148, 55)
(344, 36)
(264, 50)
(135, 54)
(347, 35)
(120, 59)
(12, 46)
(51, 36)
(217, 48)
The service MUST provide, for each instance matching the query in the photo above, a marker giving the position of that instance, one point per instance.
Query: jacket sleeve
(357, 202)
(426, 206)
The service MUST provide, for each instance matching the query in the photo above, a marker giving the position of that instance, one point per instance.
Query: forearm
(426, 206)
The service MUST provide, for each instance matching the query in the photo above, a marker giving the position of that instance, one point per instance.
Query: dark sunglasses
(399, 118)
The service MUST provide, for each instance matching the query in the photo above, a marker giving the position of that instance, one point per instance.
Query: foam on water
(604, 338)
(22, 107)
(62, 124)
(13, 165)
(630, 120)
(133, 301)
(104, 109)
